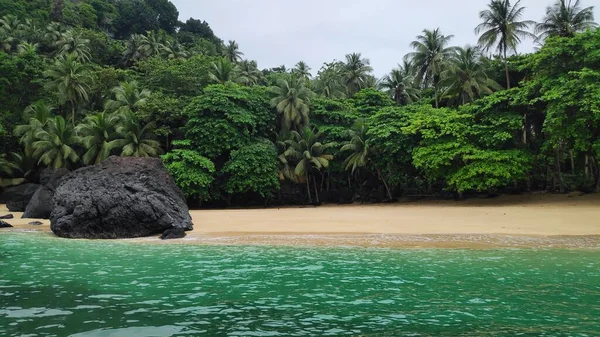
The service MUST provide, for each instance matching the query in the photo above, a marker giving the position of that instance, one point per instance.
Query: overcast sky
(275, 32)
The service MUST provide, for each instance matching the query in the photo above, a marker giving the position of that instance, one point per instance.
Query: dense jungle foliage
(83, 80)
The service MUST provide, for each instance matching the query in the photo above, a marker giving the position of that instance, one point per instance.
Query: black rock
(18, 197)
(120, 198)
(42, 204)
(4, 224)
(35, 223)
(173, 233)
(6, 217)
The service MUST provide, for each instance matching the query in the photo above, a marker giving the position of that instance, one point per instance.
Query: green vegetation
(84, 80)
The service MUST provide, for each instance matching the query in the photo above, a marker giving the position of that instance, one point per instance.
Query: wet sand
(507, 221)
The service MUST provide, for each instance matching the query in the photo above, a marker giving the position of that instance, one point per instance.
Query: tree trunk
(387, 188)
(316, 189)
(57, 10)
(525, 129)
(587, 166)
(506, 69)
(308, 189)
(561, 184)
(73, 114)
(572, 161)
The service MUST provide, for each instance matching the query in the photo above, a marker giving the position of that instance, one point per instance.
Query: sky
(276, 32)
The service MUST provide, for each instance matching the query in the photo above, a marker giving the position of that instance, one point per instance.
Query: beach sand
(534, 220)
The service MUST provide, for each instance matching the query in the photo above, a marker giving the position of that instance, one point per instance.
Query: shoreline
(525, 221)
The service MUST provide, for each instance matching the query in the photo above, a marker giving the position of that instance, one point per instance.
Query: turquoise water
(54, 287)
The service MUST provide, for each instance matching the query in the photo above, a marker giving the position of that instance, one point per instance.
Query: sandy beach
(507, 221)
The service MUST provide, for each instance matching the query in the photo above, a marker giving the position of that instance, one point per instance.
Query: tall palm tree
(54, 33)
(356, 73)
(329, 81)
(309, 153)
(400, 84)
(502, 29)
(565, 18)
(232, 53)
(7, 168)
(429, 58)
(27, 48)
(303, 70)
(72, 43)
(249, 73)
(224, 71)
(9, 32)
(128, 96)
(291, 101)
(361, 153)
(133, 139)
(37, 115)
(97, 132)
(55, 146)
(466, 75)
(71, 80)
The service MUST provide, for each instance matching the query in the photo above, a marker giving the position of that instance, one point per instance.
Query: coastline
(537, 221)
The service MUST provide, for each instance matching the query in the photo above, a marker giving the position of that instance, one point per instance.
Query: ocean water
(54, 287)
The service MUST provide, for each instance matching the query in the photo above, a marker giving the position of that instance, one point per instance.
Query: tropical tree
(133, 139)
(361, 152)
(71, 81)
(97, 133)
(356, 73)
(37, 115)
(291, 100)
(501, 29)
(7, 168)
(152, 44)
(565, 18)
(232, 52)
(429, 58)
(303, 70)
(72, 43)
(400, 84)
(305, 148)
(249, 73)
(128, 97)
(174, 50)
(329, 81)
(54, 33)
(27, 48)
(134, 51)
(224, 71)
(55, 145)
(466, 75)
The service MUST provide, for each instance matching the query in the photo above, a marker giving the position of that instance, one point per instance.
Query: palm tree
(9, 30)
(232, 53)
(400, 84)
(6, 167)
(54, 33)
(291, 101)
(133, 139)
(174, 50)
(128, 96)
(329, 80)
(502, 29)
(356, 73)
(249, 73)
(303, 70)
(429, 58)
(309, 153)
(134, 51)
(565, 18)
(55, 144)
(152, 44)
(361, 152)
(72, 43)
(37, 114)
(27, 48)
(97, 133)
(224, 71)
(71, 80)
(466, 75)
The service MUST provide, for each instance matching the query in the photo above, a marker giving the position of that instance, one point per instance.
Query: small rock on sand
(4, 224)
(6, 217)
(36, 223)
